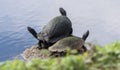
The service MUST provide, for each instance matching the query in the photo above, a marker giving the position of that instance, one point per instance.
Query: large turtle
(58, 28)
(71, 42)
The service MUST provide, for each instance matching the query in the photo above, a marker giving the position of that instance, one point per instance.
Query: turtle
(57, 28)
(71, 42)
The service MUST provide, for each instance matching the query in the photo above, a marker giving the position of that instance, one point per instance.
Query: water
(100, 17)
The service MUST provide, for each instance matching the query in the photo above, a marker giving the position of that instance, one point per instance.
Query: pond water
(101, 17)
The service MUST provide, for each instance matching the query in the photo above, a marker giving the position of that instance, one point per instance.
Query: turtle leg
(32, 31)
(62, 11)
(53, 54)
(40, 43)
(84, 48)
(46, 44)
(63, 53)
(85, 35)
(57, 54)
(71, 31)
(43, 44)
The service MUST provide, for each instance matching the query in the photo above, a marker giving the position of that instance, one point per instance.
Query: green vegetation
(106, 58)
(101, 58)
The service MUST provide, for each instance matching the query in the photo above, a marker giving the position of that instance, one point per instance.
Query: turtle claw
(32, 31)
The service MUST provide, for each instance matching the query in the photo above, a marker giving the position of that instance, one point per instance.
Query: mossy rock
(35, 52)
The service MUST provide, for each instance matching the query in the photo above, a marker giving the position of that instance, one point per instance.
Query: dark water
(101, 17)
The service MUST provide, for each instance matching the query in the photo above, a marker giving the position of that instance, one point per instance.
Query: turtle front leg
(43, 44)
(85, 49)
(85, 35)
(32, 31)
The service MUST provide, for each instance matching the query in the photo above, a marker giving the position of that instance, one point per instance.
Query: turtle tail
(85, 35)
(62, 11)
(32, 31)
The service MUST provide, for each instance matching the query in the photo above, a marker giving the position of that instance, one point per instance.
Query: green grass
(103, 58)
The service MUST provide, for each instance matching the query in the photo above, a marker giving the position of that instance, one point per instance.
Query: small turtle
(58, 28)
(71, 42)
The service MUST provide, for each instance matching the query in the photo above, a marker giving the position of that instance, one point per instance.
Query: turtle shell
(71, 42)
(58, 28)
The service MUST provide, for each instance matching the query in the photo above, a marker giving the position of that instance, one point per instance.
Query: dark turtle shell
(71, 42)
(58, 28)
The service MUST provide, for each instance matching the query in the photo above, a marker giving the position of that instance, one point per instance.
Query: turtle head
(62, 11)
(82, 50)
(85, 35)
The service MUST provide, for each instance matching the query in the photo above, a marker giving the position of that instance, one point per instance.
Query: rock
(35, 52)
